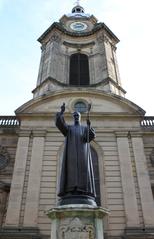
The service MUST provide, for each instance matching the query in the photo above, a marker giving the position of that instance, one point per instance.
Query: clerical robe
(76, 175)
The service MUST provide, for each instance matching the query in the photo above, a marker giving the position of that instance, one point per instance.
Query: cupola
(78, 9)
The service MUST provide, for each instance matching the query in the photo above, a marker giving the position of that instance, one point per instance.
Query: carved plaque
(76, 230)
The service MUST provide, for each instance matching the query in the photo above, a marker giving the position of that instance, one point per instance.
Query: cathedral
(78, 67)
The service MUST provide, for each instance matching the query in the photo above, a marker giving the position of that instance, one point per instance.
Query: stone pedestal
(77, 222)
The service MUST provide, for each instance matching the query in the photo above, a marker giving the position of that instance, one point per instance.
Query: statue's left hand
(63, 108)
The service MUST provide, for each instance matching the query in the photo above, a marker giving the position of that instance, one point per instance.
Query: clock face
(78, 26)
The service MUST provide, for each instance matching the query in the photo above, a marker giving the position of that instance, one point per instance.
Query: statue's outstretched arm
(60, 122)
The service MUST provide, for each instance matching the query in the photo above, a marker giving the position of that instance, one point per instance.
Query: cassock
(76, 175)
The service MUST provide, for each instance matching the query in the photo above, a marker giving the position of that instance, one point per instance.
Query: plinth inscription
(76, 229)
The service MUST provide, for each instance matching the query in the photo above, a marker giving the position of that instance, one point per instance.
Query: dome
(78, 9)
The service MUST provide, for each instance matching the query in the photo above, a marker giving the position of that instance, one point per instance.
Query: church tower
(78, 66)
(78, 52)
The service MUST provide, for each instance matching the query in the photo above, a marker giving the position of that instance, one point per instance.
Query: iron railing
(9, 121)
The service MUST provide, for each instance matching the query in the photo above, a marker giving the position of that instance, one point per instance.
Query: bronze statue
(76, 179)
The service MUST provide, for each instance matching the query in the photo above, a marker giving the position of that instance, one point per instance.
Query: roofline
(139, 111)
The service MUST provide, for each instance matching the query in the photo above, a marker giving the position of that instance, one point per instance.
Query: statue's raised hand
(63, 108)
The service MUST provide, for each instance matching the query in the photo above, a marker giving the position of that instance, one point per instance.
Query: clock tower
(78, 51)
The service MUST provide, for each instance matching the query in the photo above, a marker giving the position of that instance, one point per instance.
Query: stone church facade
(78, 66)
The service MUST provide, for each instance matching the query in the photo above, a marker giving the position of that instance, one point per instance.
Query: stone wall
(8, 144)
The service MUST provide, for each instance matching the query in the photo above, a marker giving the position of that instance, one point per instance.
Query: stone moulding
(139, 233)
(19, 233)
(59, 26)
(63, 211)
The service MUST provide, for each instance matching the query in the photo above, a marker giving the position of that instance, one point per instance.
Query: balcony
(9, 121)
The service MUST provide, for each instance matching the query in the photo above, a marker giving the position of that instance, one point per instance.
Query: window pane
(79, 70)
(80, 107)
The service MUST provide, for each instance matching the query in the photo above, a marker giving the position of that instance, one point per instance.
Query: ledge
(77, 211)
(139, 233)
(19, 233)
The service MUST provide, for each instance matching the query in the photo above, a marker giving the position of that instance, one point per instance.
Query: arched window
(79, 70)
(96, 175)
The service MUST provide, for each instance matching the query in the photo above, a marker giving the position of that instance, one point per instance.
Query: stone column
(143, 180)
(14, 206)
(128, 185)
(32, 199)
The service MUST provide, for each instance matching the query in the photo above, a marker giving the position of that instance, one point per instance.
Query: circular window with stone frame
(81, 107)
(4, 158)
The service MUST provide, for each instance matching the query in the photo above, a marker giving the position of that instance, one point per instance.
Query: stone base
(77, 222)
(77, 199)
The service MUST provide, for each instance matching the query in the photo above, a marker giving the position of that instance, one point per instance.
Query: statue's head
(77, 117)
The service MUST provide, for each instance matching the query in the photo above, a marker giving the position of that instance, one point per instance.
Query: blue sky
(23, 21)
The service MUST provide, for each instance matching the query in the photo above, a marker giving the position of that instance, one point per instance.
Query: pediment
(102, 103)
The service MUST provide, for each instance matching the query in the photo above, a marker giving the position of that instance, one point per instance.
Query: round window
(80, 107)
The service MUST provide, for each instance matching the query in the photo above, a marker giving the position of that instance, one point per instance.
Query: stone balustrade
(148, 122)
(9, 121)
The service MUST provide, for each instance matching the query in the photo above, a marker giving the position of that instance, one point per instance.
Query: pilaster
(14, 205)
(39, 80)
(32, 199)
(143, 180)
(129, 194)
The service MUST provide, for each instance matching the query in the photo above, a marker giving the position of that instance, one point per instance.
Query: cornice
(104, 82)
(76, 45)
(49, 79)
(136, 134)
(59, 26)
(84, 91)
(88, 17)
(122, 134)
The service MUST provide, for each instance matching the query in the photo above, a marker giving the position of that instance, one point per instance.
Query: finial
(77, 3)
